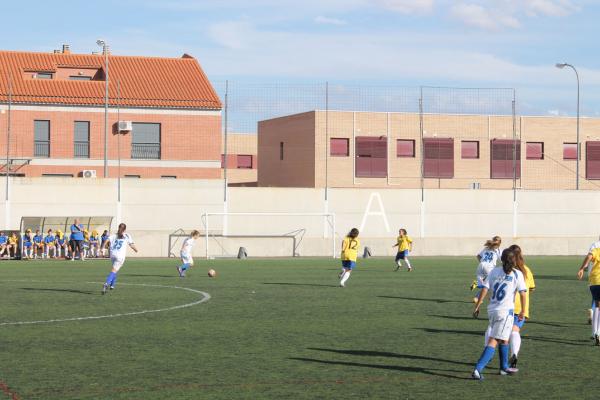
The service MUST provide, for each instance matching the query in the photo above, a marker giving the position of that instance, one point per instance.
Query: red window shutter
(569, 151)
(469, 149)
(438, 158)
(405, 148)
(371, 157)
(222, 160)
(592, 160)
(506, 154)
(339, 147)
(244, 161)
(534, 151)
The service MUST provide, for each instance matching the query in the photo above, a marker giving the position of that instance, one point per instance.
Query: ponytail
(493, 243)
(121, 230)
(519, 261)
(509, 261)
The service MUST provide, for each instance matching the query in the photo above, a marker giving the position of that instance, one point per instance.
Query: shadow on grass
(59, 290)
(482, 317)
(298, 284)
(426, 371)
(152, 276)
(556, 277)
(369, 353)
(439, 301)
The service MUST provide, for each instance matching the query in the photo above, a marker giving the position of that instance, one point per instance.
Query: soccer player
(594, 282)
(503, 283)
(49, 245)
(515, 336)
(4, 244)
(350, 246)
(488, 258)
(103, 240)
(28, 244)
(593, 246)
(13, 243)
(38, 244)
(186, 253)
(404, 244)
(94, 242)
(118, 250)
(62, 244)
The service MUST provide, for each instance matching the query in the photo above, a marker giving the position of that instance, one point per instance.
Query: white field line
(205, 298)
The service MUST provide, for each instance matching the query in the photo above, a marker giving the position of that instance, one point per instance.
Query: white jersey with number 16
(118, 247)
(502, 289)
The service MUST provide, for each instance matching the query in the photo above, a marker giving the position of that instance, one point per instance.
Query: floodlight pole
(8, 136)
(561, 66)
(105, 51)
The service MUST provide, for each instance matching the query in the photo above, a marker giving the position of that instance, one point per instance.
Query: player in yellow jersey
(594, 281)
(349, 254)
(404, 244)
(515, 336)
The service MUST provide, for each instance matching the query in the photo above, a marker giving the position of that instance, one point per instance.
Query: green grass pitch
(282, 329)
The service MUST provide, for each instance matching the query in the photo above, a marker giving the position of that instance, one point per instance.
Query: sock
(184, 267)
(503, 353)
(596, 321)
(515, 343)
(407, 263)
(488, 332)
(345, 277)
(114, 280)
(485, 358)
(110, 277)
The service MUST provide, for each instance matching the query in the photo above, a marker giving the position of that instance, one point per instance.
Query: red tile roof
(145, 81)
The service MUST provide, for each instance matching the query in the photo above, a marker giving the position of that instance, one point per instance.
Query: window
(169, 176)
(438, 158)
(133, 176)
(534, 151)
(244, 161)
(405, 148)
(339, 147)
(80, 78)
(569, 151)
(371, 157)
(469, 149)
(82, 139)
(506, 159)
(281, 151)
(145, 141)
(41, 132)
(592, 160)
(43, 75)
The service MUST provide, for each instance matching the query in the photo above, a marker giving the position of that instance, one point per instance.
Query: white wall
(452, 222)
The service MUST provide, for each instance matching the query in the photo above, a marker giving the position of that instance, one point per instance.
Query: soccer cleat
(112, 287)
(409, 269)
(596, 340)
(342, 285)
(513, 361)
(508, 371)
(476, 375)
(473, 285)
(104, 288)
(179, 271)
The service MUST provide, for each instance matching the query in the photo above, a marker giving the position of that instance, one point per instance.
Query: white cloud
(329, 21)
(406, 6)
(552, 8)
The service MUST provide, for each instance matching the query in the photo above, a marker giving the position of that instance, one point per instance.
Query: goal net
(269, 234)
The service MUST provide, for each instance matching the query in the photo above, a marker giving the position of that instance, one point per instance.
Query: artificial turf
(283, 329)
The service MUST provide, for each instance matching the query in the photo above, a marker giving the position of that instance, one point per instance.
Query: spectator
(77, 240)
(3, 244)
(13, 243)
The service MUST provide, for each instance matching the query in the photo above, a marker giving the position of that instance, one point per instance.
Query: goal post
(255, 227)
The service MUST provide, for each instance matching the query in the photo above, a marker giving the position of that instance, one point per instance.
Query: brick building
(170, 112)
(371, 149)
(242, 161)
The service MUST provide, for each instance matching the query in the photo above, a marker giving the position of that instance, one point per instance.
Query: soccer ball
(212, 273)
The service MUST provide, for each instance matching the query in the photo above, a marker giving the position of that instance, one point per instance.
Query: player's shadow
(483, 318)
(452, 331)
(371, 353)
(439, 301)
(457, 317)
(59, 290)
(427, 371)
(298, 284)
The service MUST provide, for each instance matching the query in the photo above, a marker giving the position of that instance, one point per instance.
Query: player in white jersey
(488, 258)
(186, 253)
(118, 251)
(503, 283)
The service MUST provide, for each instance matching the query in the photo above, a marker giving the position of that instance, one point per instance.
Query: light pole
(104, 46)
(561, 66)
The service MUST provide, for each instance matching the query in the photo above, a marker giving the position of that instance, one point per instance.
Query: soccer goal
(269, 234)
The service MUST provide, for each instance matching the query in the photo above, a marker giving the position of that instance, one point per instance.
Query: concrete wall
(448, 222)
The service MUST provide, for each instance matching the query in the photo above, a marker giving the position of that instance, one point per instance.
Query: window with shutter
(438, 158)
(339, 147)
(592, 160)
(505, 161)
(405, 148)
(371, 157)
(534, 151)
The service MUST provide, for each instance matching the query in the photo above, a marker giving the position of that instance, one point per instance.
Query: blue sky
(470, 43)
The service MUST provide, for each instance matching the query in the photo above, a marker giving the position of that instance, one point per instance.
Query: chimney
(66, 49)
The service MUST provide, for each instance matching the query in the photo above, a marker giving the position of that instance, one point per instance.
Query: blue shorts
(595, 289)
(347, 264)
(519, 323)
(28, 244)
(401, 255)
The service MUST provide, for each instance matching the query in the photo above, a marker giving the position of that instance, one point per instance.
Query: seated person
(13, 244)
(62, 244)
(3, 244)
(50, 245)
(103, 240)
(94, 244)
(38, 244)
(28, 244)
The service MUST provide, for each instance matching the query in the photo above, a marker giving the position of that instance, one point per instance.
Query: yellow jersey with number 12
(350, 249)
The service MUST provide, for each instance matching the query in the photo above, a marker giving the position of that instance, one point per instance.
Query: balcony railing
(147, 151)
(41, 148)
(82, 150)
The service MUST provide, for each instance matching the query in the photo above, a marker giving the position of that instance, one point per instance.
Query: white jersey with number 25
(118, 247)
(502, 288)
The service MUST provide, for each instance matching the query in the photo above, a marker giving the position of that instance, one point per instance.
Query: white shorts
(117, 263)
(187, 259)
(483, 270)
(501, 323)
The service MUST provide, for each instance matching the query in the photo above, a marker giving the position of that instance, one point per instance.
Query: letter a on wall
(369, 212)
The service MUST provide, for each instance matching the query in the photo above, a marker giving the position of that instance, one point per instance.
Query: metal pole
(118, 141)
(578, 146)
(225, 141)
(8, 135)
(105, 49)
(514, 145)
(421, 126)
(326, 141)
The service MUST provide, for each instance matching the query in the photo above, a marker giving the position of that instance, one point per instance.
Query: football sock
(407, 263)
(503, 353)
(596, 321)
(114, 280)
(515, 343)
(485, 358)
(110, 278)
(345, 277)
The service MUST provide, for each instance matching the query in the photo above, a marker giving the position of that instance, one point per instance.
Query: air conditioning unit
(475, 185)
(88, 173)
(125, 126)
